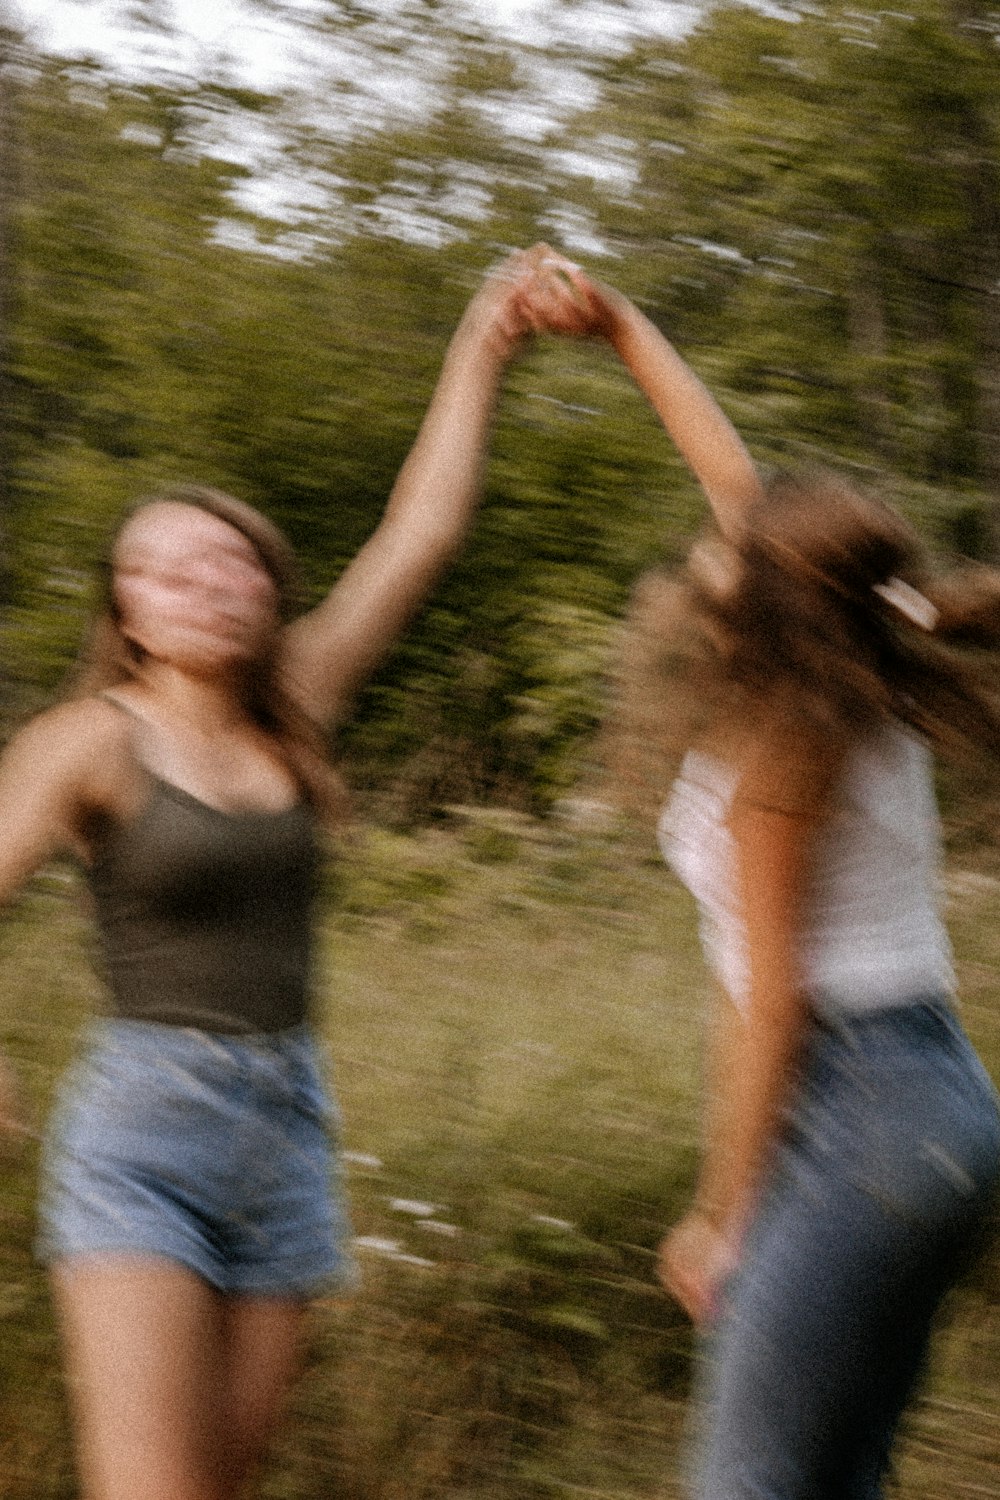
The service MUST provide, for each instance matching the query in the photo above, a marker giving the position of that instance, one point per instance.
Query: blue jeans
(881, 1182)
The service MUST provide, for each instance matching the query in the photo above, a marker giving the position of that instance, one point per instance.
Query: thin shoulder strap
(108, 697)
(138, 725)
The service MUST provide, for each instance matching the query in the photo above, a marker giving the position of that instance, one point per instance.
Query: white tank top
(872, 934)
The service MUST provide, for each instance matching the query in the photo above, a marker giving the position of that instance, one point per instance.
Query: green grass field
(512, 1015)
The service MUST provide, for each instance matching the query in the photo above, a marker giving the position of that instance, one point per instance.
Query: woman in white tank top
(852, 1138)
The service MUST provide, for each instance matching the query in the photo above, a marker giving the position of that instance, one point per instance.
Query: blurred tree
(805, 200)
(826, 176)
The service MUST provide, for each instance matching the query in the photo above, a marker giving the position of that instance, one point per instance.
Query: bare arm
(751, 1059)
(52, 774)
(43, 788)
(704, 435)
(333, 649)
(756, 1048)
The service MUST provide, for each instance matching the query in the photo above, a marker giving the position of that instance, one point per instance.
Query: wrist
(486, 337)
(709, 1209)
(621, 317)
(477, 356)
(718, 1207)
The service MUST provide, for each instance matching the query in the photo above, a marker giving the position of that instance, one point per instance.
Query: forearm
(750, 1069)
(755, 1050)
(748, 1075)
(436, 491)
(704, 435)
(713, 1194)
(333, 649)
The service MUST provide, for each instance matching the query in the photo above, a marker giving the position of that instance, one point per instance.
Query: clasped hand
(541, 291)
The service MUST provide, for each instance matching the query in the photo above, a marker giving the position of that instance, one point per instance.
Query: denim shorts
(209, 1150)
(881, 1185)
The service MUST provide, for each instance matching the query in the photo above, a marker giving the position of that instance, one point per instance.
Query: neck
(207, 705)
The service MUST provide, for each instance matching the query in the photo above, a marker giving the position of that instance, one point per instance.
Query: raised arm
(704, 435)
(334, 648)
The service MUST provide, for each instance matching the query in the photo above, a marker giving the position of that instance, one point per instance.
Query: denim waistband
(116, 1041)
(924, 1015)
(138, 1033)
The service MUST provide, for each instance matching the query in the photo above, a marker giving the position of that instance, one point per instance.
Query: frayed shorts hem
(292, 1285)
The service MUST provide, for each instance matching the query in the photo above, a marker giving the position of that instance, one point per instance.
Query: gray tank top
(205, 916)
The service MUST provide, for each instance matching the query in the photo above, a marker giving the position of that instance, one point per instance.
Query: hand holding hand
(563, 299)
(537, 291)
(694, 1262)
(498, 313)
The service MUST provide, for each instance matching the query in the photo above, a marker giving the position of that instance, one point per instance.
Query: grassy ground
(513, 1015)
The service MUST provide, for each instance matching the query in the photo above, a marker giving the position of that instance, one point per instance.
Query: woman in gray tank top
(853, 1139)
(187, 1211)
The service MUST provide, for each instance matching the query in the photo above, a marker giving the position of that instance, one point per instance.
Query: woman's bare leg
(261, 1355)
(175, 1389)
(141, 1340)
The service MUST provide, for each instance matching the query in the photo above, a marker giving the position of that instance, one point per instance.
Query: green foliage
(492, 846)
(806, 201)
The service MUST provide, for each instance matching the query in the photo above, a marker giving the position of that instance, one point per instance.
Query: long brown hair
(823, 615)
(109, 659)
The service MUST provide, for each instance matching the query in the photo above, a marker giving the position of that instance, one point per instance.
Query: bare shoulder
(77, 727)
(65, 771)
(85, 743)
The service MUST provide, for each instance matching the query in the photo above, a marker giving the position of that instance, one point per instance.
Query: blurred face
(191, 590)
